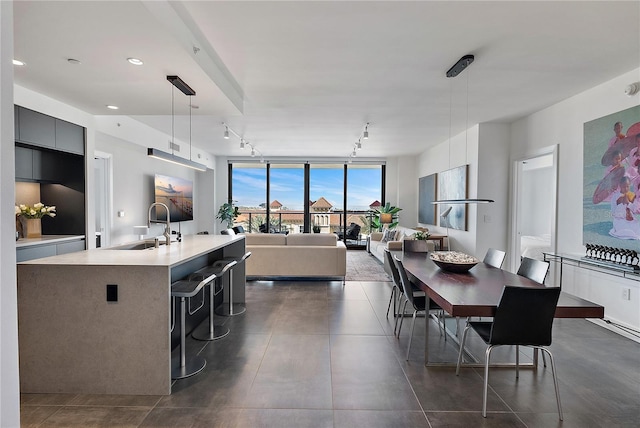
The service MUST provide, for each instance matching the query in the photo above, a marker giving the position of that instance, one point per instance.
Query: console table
(582, 262)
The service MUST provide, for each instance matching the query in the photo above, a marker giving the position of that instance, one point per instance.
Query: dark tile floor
(320, 354)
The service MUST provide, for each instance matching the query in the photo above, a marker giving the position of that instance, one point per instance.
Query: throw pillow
(388, 235)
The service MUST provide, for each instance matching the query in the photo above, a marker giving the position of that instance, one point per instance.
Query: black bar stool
(232, 309)
(212, 332)
(185, 289)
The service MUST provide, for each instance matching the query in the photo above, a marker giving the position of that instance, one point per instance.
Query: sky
(287, 186)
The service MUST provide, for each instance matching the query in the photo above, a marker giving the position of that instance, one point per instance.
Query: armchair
(353, 232)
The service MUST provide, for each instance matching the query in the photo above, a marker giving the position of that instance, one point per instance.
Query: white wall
(402, 188)
(562, 124)
(9, 381)
(493, 183)
(133, 175)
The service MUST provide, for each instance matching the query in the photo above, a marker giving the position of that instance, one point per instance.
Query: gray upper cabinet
(36, 128)
(69, 137)
(24, 163)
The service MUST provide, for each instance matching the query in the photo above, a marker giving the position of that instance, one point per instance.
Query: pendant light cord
(450, 114)
(190, 108)
(466, 124)
(172, 123)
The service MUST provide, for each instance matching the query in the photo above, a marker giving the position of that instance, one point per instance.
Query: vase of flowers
(31, 218)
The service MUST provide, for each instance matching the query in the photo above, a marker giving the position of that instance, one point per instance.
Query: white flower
(32, 212)
(43, 210)
(38, 205)
(18, 211)
(52, 214)
(23, 207)
(51, 209)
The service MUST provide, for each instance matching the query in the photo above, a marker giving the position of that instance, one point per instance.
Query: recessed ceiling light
(18, 62)
(135, 61)
(73, 61)
(112, 107)
(195, 107)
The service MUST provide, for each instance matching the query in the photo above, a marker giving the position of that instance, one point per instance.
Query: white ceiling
(302, 78)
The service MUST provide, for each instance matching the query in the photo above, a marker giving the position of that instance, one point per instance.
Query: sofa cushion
(312, 239)
(265, 239)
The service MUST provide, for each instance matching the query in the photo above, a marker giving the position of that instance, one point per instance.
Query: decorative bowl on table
(453, 261)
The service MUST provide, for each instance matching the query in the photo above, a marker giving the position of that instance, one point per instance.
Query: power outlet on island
(112, 292)
(626, 294)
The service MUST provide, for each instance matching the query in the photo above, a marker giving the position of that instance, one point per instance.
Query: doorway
(535, 206)
(103, 172)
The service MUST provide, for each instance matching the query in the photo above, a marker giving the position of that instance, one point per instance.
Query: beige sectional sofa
(295, 255)
(377, 245)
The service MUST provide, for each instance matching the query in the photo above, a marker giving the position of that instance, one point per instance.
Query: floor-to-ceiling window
(326, 197)
(317, 197)
(248, 191)
(364, 188)
(286, 197)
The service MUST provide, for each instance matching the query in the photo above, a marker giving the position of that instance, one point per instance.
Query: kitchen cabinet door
(24, 163)
(69, 137)
(36, 128)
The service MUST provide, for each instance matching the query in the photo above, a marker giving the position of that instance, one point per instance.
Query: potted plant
(316, 229)
(417, 243)
(228, 213)
(386, 215)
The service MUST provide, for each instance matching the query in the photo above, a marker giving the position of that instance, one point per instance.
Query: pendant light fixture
(171, 157)
(454, 71)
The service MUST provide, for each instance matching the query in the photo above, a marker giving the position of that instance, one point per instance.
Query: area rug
(362, 266)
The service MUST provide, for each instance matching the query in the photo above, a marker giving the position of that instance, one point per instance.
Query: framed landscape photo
(452, 184)
(427, 187)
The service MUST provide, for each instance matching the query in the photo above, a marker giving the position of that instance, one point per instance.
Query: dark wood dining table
(477, 292)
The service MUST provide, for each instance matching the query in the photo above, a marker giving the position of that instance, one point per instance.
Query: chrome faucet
(167, 223)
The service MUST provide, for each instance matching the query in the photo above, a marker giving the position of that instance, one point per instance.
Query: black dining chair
(396, 291)
(494, 258)
(524, 317)
(535, 270)
(418, 303)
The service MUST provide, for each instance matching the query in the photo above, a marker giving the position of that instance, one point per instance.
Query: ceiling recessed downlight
(73, 61)
(135, 61)
(112, 107)
(18, 62)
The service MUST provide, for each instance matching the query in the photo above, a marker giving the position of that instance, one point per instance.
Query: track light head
(242, 143)
(253, 152)
(358, 145)
(353, 154)
(226, 133)
(365, 135)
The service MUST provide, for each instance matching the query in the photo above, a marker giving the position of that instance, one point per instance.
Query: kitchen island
(72, 340)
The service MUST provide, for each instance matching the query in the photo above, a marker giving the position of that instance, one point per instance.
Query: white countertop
(46, 239)
(166, 255)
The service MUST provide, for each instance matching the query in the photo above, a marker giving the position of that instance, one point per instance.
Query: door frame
(107, 195)
(516, 204)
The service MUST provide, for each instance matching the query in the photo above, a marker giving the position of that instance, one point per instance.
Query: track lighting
(358, 144)
(243, 142)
